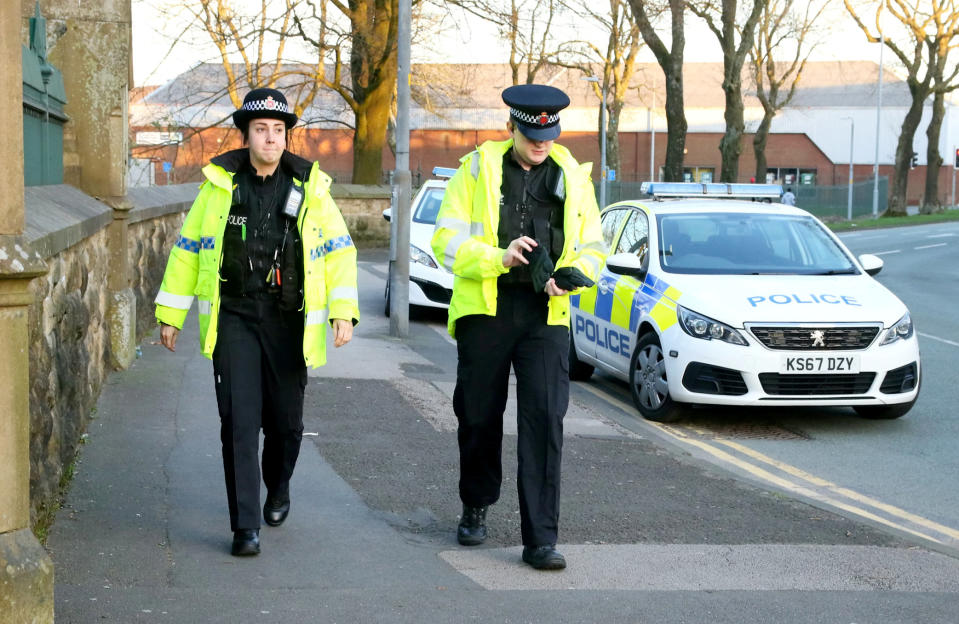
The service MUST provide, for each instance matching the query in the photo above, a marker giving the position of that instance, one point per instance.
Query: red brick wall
(431, 148)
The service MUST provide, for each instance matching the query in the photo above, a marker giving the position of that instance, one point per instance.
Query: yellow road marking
(677, 433)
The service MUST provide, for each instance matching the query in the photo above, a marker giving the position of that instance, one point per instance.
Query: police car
(431, 285)
(713, 295)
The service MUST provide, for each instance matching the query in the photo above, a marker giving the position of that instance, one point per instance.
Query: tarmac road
(651, 534)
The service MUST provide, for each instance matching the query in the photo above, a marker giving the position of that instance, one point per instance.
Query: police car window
(750, 244)
(611, 221)
(635, 236)
(429, 207)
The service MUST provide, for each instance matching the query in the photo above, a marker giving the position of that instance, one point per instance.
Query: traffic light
(956, 166)
(914, 161)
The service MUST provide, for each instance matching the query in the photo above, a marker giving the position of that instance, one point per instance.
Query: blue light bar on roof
(443, 172)
(712, 190)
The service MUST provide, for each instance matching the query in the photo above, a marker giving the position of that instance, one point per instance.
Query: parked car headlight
(420, 256)
(699, 326)
(900, 331)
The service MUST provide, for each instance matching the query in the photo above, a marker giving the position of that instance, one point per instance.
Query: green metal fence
(823, 201)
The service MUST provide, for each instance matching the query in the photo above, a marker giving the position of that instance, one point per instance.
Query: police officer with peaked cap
(519, 227)
(267, 253)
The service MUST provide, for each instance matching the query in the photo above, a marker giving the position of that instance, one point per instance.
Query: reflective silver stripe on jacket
(463, 233)
(593, 262)
(180, 302)
(203, 306)
(344, 292)
(599, 246)
(317, 317)
(477, 229)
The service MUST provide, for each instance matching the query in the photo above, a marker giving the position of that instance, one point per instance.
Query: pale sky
(152, 33)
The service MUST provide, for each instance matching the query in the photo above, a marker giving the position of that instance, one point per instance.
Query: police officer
(509, 202)
(265, 250)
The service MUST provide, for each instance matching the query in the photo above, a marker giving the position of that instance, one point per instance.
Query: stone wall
(362, 208)
(69, 318)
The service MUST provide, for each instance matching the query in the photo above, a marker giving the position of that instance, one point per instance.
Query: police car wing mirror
(388, 214)
(871, 264)
(625, 264)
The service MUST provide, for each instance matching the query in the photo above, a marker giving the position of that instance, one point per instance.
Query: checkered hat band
(266, 105)
(533, 120)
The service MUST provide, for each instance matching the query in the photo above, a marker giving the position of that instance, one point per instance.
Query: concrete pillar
(93, 53)
(26, 572)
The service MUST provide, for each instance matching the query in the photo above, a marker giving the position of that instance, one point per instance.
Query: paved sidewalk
(144, 533)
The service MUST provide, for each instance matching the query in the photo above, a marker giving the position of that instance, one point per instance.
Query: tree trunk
(759, 145)
(612, 135)
(897, 195)
(930, 200)
(730, 146)
(372, 117)
(676, 125)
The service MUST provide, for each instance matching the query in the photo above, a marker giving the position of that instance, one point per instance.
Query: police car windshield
(429, 206)
(748, 244)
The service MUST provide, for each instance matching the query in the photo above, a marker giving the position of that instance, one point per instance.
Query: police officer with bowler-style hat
(519, 227)
(268, 256)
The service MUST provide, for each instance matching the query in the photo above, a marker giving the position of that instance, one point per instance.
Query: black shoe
(276, 509)
(246, 543)
(544, 557)
(472, 528)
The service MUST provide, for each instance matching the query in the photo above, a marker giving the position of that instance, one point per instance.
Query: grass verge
(869, 223)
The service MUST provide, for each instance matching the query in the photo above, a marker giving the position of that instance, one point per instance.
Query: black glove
(540, 267)
(571, 278)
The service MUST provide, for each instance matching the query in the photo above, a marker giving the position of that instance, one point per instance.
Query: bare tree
(916, 51)
(617, 63)
(527, 25)
(369, 37)
(783, 24)
(946, 18)
(671, 61)
(735, 35)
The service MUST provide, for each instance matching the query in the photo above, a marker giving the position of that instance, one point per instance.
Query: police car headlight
(900, 331)
(420, 256)
(699, 326)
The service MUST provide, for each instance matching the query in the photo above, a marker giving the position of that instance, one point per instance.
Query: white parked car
(430, 284)
(706, 300)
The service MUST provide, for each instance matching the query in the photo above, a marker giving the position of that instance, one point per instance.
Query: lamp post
(602, 142)
(875, 169)
(852, 134)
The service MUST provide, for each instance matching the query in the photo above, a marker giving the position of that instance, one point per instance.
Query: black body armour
(531, 204)
(256, 236)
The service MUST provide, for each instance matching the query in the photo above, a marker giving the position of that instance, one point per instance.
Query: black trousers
(517, 336)
(260, 378)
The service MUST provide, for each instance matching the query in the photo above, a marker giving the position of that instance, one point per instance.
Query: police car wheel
(648, 384)
(884, 412)
(578, 370)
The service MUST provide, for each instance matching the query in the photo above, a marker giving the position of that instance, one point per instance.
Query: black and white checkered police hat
(264, 103)
(535, 110)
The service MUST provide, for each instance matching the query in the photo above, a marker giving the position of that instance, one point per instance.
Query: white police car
(736, 302)
(431, 285)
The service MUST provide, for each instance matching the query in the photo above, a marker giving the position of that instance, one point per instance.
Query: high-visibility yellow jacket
(329, 257)
(465, 238)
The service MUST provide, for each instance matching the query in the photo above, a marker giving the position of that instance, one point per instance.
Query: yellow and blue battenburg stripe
(628, 301)
(331, 245)
(194, 246)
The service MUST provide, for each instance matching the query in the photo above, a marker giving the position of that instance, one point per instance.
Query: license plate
(819, 364)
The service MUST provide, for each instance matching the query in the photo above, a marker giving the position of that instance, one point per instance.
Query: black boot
(276, 509)
(246, 542)
(544, 557)
(472, 528)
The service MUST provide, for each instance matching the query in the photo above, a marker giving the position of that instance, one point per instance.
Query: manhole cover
(743, 430)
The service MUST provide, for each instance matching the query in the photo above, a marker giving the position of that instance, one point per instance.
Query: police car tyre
(578, 370)
(887, 412)
(648, 384)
